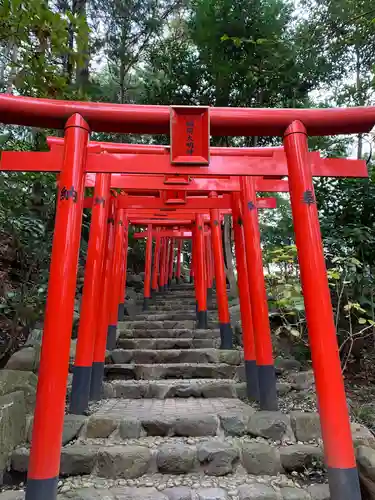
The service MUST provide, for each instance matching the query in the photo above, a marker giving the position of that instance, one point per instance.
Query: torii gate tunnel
(213, 173)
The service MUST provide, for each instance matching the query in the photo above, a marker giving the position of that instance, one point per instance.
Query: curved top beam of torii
(141, 119)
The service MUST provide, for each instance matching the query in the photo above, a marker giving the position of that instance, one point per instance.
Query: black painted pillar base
(178, 279)
(165, 288)
(111, 337)
(126, 312)
(344, 484)
(80, 395)
(191, 279)
(226, 336)
(267, 388)
(121, 312)
(96, 386)
(146, 303)
(202, 323)
(42, 489)
(252, 382)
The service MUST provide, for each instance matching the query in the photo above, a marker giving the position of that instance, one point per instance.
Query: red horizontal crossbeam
(159, 149)
(164, 234)
(156, 183)
(161, 222)
(138, 119)
(193, 205)
(274, 166)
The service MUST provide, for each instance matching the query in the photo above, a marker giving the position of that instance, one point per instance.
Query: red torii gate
(293, 125)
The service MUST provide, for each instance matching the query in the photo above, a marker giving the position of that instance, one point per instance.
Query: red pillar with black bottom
(209, 258)
(226, 333)
(191, 279)
(44, 461)
(333, 409)
(116, 278)
(251, 370)
(171, 263)
(122, 311)
(97, 372)
(178, 265)
(79, 399)
(258, 298)
(166, 262)
(156, 266)
(148, 265)
(193, 270)
(200, 277)
(163, 245)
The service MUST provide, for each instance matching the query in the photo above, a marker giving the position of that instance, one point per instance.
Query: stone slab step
(177, 304)
(253, 491)
(167, 316)
(168, 343)
(180, 388)
(190, 487)
(165, 356)
(163, 333)
(142, 324)
(212, 457)
(122, 419)
(170, 371)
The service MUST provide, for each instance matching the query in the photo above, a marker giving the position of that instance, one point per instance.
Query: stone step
(166, 356)
(171, 371)
(168, 343)
(120, 419)
(178, 388)
(167, 316)
(157, 325)
(133, 458)
(164, 333)
(211, 308)
(163, 301)
(191, 487)
(182, 388)
(176, 294)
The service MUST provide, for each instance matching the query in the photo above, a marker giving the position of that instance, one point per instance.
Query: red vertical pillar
(193, 269)
(97, 372)
(334, 417)
(192, 257)
(165, 263)
(148, 264)
(116, 278)
(156, 265)
(211, 269)
(79, 399)
(258, 298)
(163, 247)
(171, 262)
(124, 264)
(178, 266)
(44, 462)
(226, 333)
(251, 369)
(200, 276)
(208, 248)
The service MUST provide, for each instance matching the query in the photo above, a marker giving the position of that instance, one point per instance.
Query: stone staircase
(172, 424)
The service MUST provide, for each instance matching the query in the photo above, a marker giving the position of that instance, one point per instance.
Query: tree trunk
(82, 70)
(229, 256)
(359, 99)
